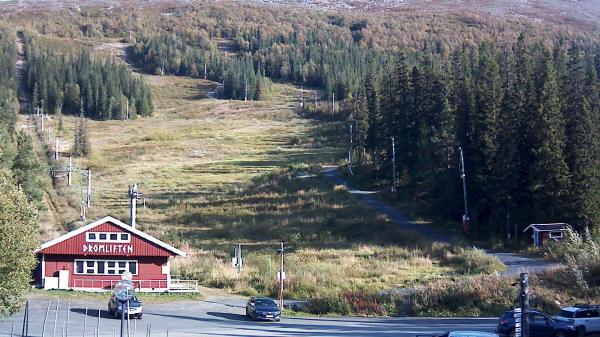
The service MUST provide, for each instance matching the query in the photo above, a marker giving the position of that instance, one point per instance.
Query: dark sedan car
(135, 307)
(540, 325)
(263, 308)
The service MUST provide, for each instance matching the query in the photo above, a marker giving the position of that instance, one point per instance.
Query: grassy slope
(219, 172)
(215, 172)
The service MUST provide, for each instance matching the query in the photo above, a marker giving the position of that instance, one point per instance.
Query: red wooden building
(94, 256)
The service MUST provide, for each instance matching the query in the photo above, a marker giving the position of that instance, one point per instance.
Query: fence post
(68, 319)
(98, 325)
(55, 317)
(85, 321)
(45, 320)
(25, 328)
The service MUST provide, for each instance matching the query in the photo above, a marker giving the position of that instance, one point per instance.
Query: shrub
(483, 295)
(329, 304)
(366, 304)
(582, 256)
(476, 261)
(340, 189)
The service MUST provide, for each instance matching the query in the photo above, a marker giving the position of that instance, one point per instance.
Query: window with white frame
(108, 237)
(105, 267)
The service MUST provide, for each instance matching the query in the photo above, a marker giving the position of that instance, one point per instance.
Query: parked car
(468, 334)
(540, 325)
(585, 318)
(135, 307)
(263, 308)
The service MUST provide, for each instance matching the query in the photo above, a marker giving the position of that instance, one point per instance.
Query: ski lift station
(93, 258)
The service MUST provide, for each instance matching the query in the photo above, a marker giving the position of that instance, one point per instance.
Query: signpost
(281, 275)
(518, 322)
(124, 292)
(237, 260)
(520, 314)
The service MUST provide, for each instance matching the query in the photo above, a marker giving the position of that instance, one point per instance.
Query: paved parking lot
(217, 316)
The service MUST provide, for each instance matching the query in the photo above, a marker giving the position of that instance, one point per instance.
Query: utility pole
(56, 148)
(134, 194)
(89, 188)
(70, 170)
(393, 168)
(520, 314)
(466, 220)
(316, 104)
(238, 258)
(127, 109)
(302, 98)
(82, 211)
(350, 152)
(281, 276)
(333, 104)
(245, 90)
(204, 70)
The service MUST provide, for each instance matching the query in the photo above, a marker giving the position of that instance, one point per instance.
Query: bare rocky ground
(565, 11)
(572, 12)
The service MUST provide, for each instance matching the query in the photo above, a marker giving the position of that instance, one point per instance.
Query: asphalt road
(220, 317)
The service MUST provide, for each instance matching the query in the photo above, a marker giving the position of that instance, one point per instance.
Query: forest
(76, 83)
(526, 118)
(17, 155)
(21, 186)
(523, 107)
(520, 98)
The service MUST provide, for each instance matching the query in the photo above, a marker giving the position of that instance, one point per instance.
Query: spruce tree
(360, 115)
(81, 144)
(8, 109)
(482, 150)
(77, 149)
(58, 114)
(27, 169)
(582, 150)
(398, 119)
(375, 133)
(549, 184)
(7, 152)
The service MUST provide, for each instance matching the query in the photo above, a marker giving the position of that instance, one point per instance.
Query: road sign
(279, 276)
(518, 323)
(124, 290)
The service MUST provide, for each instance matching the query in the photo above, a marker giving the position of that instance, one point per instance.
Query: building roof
(118, 223)
(548, 227)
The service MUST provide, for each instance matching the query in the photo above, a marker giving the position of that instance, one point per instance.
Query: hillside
(562, 11)
(224, 153)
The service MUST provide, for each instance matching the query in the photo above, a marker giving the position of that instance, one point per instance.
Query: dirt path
(396, 216)
(515, 263)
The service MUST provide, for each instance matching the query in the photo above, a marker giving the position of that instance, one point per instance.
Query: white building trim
(118, 224)
(43, 276)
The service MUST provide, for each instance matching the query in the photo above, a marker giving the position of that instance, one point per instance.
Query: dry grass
(219, 172)
(315, 272)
